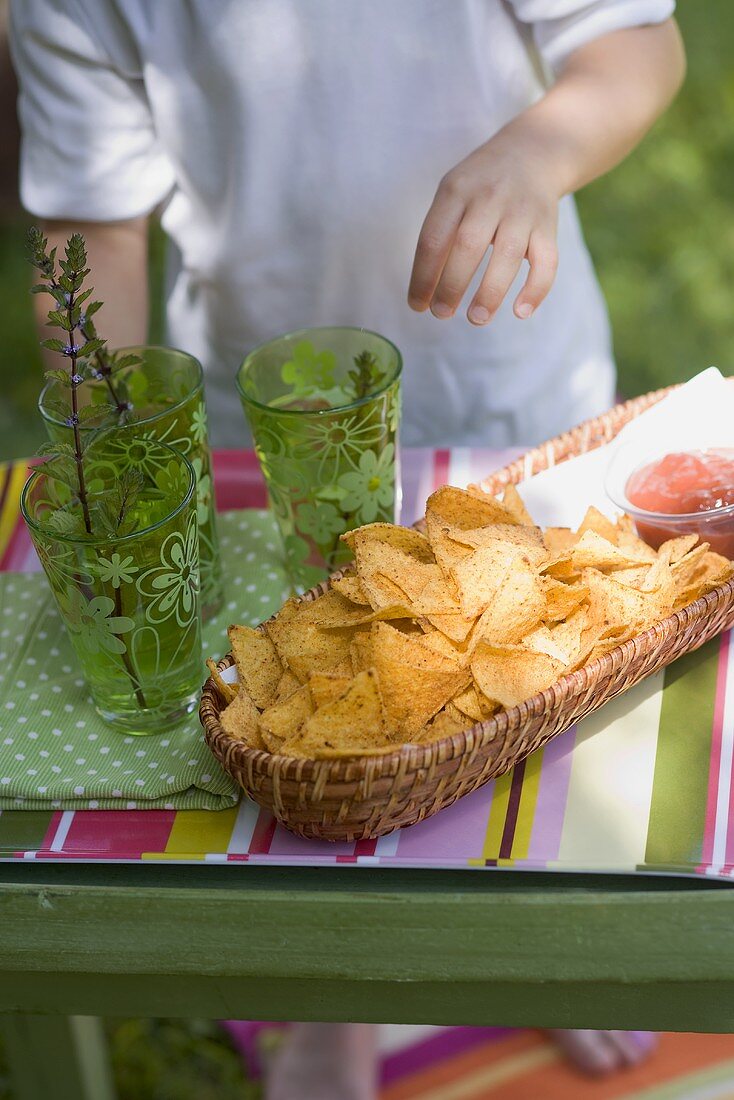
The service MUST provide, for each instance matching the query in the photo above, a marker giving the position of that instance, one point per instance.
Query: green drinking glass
(166, 394)
(129, 600)
(323, 405)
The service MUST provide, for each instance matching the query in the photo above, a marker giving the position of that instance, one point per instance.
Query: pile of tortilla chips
(435, 632)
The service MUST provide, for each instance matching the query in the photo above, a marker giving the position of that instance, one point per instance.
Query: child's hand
(506, 193)
(501, 195)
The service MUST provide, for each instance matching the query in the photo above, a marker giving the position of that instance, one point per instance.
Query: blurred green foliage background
(661, 230)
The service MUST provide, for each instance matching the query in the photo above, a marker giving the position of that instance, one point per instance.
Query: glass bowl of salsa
(677, 493)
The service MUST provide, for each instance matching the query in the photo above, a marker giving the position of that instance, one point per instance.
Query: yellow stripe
(11, 507)
(197, 833)
(476, 1084)
(497, 815)
(526, 809)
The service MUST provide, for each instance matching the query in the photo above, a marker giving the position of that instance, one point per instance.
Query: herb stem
(126, 657)
(78, 456)
(104, 369)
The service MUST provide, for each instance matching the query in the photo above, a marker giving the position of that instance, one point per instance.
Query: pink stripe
(441, 460)
(439, 1047)
(19, 556)
(238, 481)
(262, 836)
(715, 763)
(550, 808)
(306, 851)
(119, 834)
(51, 831)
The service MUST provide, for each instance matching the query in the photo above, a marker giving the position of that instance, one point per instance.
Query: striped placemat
(645, 784)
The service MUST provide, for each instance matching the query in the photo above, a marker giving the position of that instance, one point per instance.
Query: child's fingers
(543, 260)
(434, 244)
(508, 251)
(467, 251)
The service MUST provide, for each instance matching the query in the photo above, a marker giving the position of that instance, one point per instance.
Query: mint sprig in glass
(162, 393)
(118, 543)
(323, 406)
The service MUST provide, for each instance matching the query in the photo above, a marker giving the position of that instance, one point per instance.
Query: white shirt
(296, 146)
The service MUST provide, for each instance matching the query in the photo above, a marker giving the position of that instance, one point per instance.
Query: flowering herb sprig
(81, 343)
(366, 375)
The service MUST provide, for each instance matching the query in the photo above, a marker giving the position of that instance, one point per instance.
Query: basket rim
(342, 767)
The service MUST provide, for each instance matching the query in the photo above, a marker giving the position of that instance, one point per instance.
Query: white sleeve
(561, 26)
(89, 149)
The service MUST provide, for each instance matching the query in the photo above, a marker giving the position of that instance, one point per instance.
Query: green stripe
(680, 783)
(683, 1087)
(23, 831)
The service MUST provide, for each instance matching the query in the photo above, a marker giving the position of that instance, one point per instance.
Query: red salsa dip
(697, 485)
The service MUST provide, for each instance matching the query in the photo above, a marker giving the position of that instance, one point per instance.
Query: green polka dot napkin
(55, 752)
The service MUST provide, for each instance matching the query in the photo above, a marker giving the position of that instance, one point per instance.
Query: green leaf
(65, 523)
(53, 345)
(41, 288)
(58, 375)
(59, 319)
(83, 296)
(54, 449)
(123, 361)
(91, 412)
(92, 309)
(91, 346)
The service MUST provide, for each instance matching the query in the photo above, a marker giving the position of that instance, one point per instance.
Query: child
(294, 148)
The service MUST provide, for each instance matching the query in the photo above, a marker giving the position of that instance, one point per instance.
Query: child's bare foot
(325, 1062)
(602, 1052)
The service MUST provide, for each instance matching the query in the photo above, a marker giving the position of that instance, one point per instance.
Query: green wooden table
(507, 948)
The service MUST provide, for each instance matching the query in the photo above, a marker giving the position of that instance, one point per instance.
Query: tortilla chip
(464, 509)
(287, 686)
(561, 599)
(509, 675)
(284, 720)
(529, 539)
(517, 607)
(226, 690)
(628, 540)
(594, 552)
(676, 548)
(515, 505)
(469, 703)
(406, 539)
(447, 551)
(258, 665)
(541, 641)
(240, 719)
(414, 681)
(303, 645)
(440, 642)
(559, 540)
(596, 521)
(354, 721)
(325, 687)
(445, 724)
(351, 588)
(360, 651)
(618, 606)
(479, 577)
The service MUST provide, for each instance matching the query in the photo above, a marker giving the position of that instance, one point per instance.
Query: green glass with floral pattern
(130, 601)
(166, 394)
(323, 405)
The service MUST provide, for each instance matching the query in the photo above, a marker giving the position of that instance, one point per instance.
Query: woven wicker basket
(369, 796)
